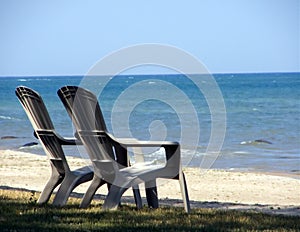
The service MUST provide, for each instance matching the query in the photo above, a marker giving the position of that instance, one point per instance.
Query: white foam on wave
(31, 147)
(33, 79)
(5, 117)
(241, 152)
(22, 80)
(191, 153)
(42, 79)
(246, 142)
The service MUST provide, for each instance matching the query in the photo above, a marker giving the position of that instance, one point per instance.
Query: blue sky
(60, 37)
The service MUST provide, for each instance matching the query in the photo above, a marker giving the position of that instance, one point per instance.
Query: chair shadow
(167, 202)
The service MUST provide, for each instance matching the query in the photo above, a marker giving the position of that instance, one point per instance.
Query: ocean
(262, 116)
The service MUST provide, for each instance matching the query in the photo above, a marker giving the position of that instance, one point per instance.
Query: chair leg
(137, 197)
(151, 194)
(88, 196)
(184, 192)
(64, 191)
(113, 198)
(52, 183)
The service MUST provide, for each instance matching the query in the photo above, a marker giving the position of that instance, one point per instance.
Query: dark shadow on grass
(22, 215)
(166, 202)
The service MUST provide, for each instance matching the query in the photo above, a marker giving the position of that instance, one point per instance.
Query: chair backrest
(84, 104)
(84, 110)
(35, 108)
(39, 117)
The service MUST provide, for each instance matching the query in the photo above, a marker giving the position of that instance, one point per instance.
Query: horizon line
(140, 74)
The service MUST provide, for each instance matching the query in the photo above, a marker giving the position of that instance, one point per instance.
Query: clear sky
(54, 37)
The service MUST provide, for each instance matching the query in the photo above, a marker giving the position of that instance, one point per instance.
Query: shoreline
(215, 188)
(276, 172)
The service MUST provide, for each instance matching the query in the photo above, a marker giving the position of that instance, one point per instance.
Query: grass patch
(19, 212)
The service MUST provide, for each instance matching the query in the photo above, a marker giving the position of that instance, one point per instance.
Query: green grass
(19, 212)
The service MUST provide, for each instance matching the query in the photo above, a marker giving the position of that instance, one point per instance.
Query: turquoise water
(263, 113)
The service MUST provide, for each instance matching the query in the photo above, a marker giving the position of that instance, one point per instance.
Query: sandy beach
(265, 192)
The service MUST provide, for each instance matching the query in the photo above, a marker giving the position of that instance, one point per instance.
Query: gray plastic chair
(67, 96)
(101, 146)
(52, 144)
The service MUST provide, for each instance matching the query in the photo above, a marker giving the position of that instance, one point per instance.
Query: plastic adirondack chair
(68, 96)
(101, 146)
(52, 143)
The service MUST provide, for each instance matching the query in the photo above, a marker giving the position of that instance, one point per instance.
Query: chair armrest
(172, 149)
(139, 143)
(131, 142)
(61, 140)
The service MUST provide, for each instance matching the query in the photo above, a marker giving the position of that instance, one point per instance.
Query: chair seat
(85, 169)
(139, 169)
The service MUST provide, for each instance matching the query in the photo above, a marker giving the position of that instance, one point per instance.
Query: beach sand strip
(222, 189)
